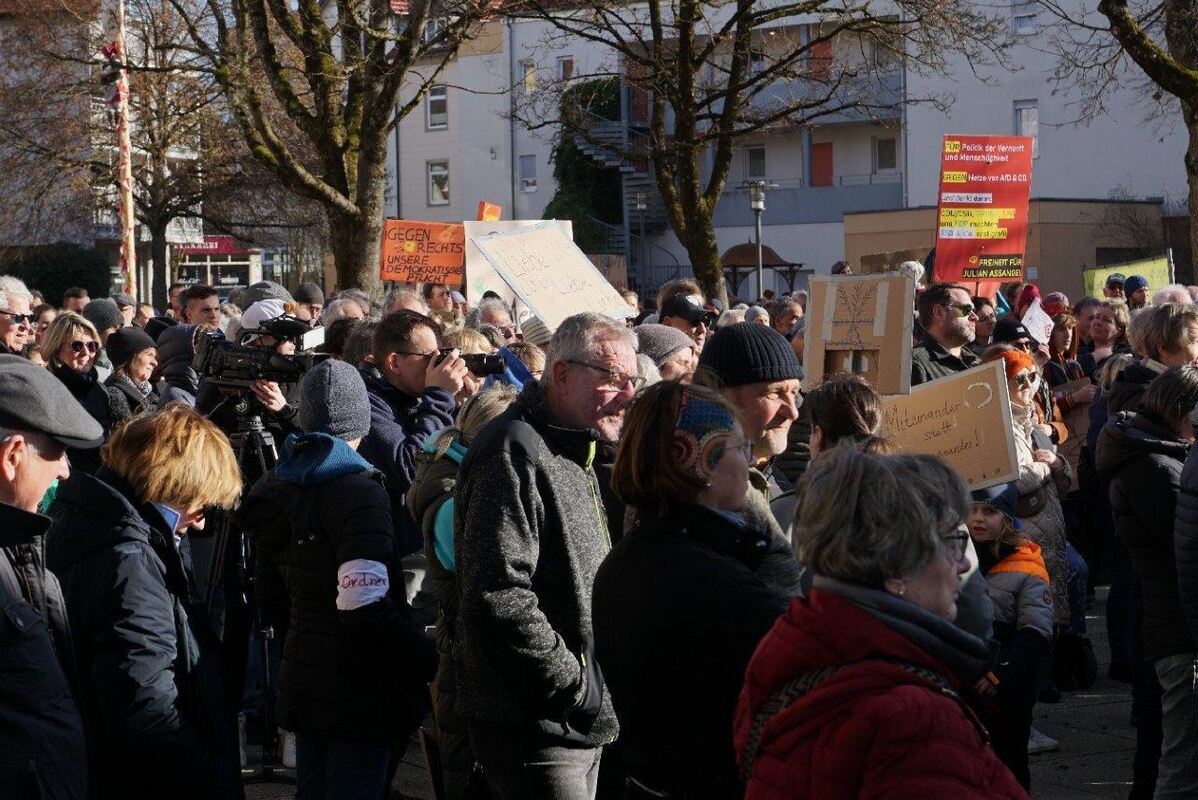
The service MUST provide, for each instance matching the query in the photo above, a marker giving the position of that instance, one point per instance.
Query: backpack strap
(803, 684)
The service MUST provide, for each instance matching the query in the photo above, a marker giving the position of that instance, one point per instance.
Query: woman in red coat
(855, 692)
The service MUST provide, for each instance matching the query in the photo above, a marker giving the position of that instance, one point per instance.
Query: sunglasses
(78, 347)
(19, 319)
(962, 309)
(1027, 379)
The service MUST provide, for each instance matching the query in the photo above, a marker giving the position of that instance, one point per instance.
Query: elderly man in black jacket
(355, 666)
(529, 532)
(42, 752)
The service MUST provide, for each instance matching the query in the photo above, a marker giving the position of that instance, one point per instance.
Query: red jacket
(873, 730)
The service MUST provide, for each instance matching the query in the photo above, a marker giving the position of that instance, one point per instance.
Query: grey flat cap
(31, 399)
(264, 290)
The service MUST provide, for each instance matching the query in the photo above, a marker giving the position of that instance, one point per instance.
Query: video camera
(237, 365)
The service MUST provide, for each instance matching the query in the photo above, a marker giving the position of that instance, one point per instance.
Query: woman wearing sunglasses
(1042, 471)
(70, 347)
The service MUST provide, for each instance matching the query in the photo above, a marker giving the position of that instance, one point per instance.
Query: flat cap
(31, 399)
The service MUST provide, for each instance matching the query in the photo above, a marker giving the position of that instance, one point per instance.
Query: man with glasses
(411, 385)
(495, 312)
(42, 752)
(309, 302)
(16, 321)
(687, 313)
(984, 329)
(949, 321)
(530, 531)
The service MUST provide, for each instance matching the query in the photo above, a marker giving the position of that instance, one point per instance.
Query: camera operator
(412, 387)
(267, 397)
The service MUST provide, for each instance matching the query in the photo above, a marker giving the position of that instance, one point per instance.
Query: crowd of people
(621, 558)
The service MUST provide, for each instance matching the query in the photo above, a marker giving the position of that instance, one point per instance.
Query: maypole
(117, 78)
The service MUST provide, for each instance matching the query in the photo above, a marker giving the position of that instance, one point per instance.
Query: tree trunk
(704, 254)
(159, 255)
(355, 242)
(1191, 162)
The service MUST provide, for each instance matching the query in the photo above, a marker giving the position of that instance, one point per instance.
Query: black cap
(1010, 329)
(1116, 277)
(688, 307)
(32, 399)
(745, 353)
(308, 292)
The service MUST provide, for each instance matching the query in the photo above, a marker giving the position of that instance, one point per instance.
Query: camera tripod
(254, 447)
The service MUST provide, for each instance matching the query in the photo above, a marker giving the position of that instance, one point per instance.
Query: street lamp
(757, 203)
(642, 207)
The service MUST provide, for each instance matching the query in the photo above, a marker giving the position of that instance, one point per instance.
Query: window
(885, 155)
(1027, 122)
(530, 75)
(757, 63)
(528, 173)
(1024, 16)
(565, 68)
(436, 108)
(433, 28)
(438, 183)
(755, 163)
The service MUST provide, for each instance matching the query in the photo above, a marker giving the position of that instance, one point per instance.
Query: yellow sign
(1156, 270)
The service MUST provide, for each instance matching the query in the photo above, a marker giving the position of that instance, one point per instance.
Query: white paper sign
(550, 274)
(1037, 322)
(480, 275)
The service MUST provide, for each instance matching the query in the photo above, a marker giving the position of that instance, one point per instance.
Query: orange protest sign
(489, 212)
(422, 252)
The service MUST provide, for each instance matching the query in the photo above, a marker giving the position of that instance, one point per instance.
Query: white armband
(360, 582)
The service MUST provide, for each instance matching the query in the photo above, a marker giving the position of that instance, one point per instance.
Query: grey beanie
(333, 400)
(264, 290)
(659, 342)
(103, 312)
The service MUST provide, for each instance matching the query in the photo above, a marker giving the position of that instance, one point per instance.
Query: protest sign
(1078, 423)
(488, 212)
(550, 274)
(1156, 270)
(422, 252)
(480, 275)
(964, 418)
(1037, 322)
(860, 324)
(981, 229)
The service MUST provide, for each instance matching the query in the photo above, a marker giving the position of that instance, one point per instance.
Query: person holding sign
(949, 321)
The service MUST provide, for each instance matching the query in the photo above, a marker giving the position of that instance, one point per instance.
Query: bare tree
(1148, 47)
(713, 72)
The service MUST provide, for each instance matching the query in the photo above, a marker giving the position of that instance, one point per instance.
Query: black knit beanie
(747, 353)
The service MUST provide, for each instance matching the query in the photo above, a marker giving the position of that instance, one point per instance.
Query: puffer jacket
(1047, 529)
(1130, 384)
(876, 727)
(352, 670)
(529, 533)
(152, 699)
(176, 352)
(1019, 590)
(1143, 462)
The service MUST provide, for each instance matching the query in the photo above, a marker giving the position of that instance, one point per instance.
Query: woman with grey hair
(341, 308)
(855, 692)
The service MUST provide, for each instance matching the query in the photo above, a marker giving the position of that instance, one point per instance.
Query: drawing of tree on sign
(855, 308)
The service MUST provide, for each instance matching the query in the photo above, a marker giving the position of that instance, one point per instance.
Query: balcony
(792, 203)
(877, 96)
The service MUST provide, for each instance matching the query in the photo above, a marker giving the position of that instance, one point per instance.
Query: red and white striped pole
(118, 99)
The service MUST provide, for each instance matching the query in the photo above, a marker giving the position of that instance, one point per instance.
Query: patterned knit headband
(701, 433)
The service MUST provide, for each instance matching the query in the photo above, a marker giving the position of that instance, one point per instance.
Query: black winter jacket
(1185, 543)
(678, 613)
(125, 399)
(349, 672)
(1143, 462)
(42, 750)
(1129, 385)
(529, 533)
(89, 391)
(176, 352)
(151, 688)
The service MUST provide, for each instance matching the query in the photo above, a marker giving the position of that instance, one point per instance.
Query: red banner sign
(422, 252)
(981, 220)
(488, 212)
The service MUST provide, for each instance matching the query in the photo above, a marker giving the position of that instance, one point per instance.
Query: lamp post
(641, 207)
(757, 203)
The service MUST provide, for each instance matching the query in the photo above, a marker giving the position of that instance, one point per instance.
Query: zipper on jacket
(593, 486)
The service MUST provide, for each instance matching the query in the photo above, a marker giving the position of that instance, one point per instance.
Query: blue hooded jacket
(310, 459)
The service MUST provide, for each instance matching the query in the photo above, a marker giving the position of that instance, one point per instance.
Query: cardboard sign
(422, 252)
(860, 324)
(550, 274)
(480, 275)
(488, 212)
(981, 229)
(1078, 423)
(1156, 270)
(964, 418)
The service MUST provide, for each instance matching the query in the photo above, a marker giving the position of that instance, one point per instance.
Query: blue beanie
(1134, 284)
(746, 353)
(333, 400)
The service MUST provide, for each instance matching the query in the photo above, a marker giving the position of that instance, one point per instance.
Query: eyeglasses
(956, 545)
(18, 319)
(1024, 345)
(615, 379)
(962, 309)
(419, 355)
(79, 346)
(1027, 379)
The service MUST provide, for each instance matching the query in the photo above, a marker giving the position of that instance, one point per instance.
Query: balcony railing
(795, 204)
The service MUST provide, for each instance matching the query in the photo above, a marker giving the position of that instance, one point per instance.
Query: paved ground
(1094, 760)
